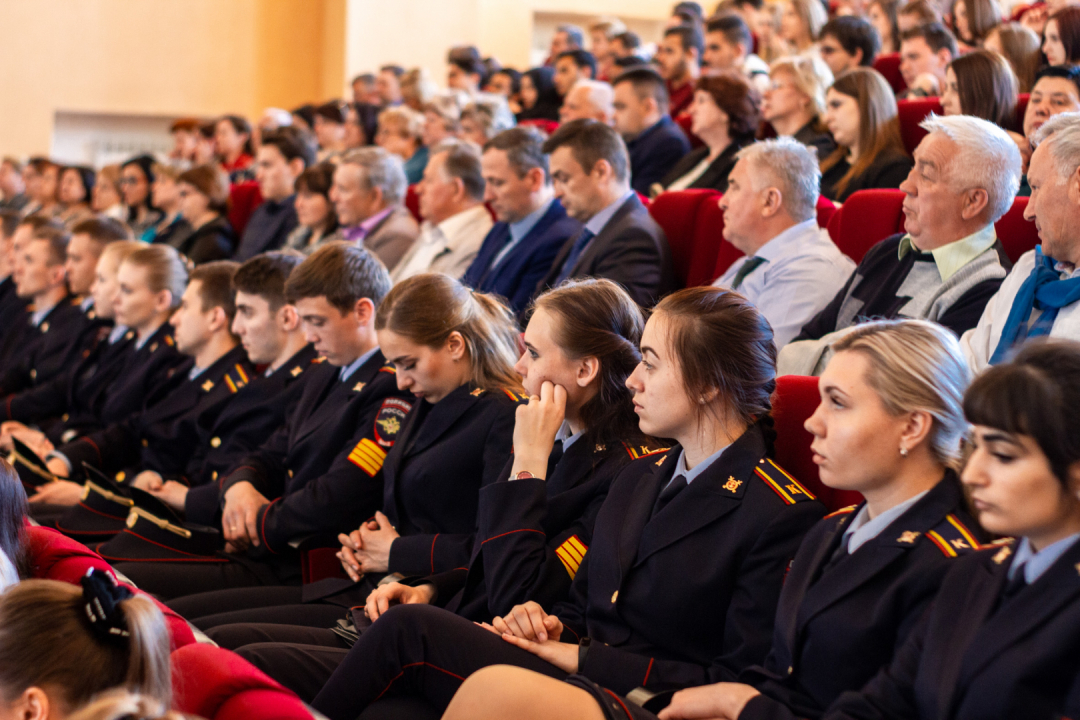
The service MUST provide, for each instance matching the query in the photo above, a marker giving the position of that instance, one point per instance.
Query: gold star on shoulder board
(358, 387)
(129, 334)
(908, 536)
(208, 386)
(296, 371)
(1003, 554)
(477, 392)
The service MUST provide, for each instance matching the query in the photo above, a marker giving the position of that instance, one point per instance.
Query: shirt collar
(1036, 563)
(567, 436)
(862, 529)
(368, 225)
(599, 220)
(680, 467)
(779, 244)
(87, 303)
(349, 369)
(452, 227)
(38, 315)
(522, 227)
(950, 258)
(195, 372)
(117, 332)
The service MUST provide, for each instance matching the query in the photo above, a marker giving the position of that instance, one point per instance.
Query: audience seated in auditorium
(654, 141)
(972, 20)
(571, 66)
(329, 130)
(590, 168)
(317, 221)
(916, 13)
(925, 51)
(1062, 37)
(232, 143)
(532, 225)
(1056, 90)
(981, 84)
(539, 98)
(1039, 297)
(74, 192)
(800, 25)
(363, 88)
(566, 37)
(861, 115)
(1020, 46)
(790, 265)
(369, 195)
(678, 58)
(729, 45)
(589, 100)
(601, 35)
(949, 263)
(136, 181)
(794, 104)
(12, 188)
(388, 85)
(506, 82)
(628, 46)
(282, 156)
(882, 15)
(484, 118)
(172, 229)
(665, 513)
(452, 207)
(42, 178)
(204, 199)
(848, 42)
(401, 133)
(465, 70)
(725, 114)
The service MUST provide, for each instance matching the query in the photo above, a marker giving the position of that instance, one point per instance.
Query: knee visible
(411, 619)
(235, 636)
(489, 693)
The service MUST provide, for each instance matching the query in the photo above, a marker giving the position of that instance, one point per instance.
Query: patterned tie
(677, 485)
(747, 267)
(575, 253)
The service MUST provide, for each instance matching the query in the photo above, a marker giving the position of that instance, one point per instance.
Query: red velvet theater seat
(1016, 234)
(412, 202)
(867, 218)
(795, 400)
(889, 66)
(677, 213)
(217, 684)
(913, 112)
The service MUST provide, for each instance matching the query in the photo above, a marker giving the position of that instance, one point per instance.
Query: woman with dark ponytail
(13, 511)
(60, 645)
(689, 551)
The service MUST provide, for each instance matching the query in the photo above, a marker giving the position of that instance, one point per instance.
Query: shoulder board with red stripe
(780, 482)
(571, 553)
(516, 397)
(170, 341)
(318, 360)
(953, 538)
(643, 451)
(388, 368)
(841, 511)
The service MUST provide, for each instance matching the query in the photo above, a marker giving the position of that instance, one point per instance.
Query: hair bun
(101, 600)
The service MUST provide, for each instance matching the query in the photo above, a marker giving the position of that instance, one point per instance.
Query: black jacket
(216, 240)
(976, 656)
(267, 228)
(887, 171)
(654, 152)
(715, 176)
(838, 624)
(446, 452)
(631, 250)
(687, 596)
(48, 350)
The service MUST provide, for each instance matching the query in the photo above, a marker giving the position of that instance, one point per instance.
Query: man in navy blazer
(654, 141)
(532, 225)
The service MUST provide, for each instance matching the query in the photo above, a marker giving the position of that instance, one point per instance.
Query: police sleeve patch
(389, 421)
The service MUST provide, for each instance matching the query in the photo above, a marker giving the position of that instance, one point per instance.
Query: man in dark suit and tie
(532, 225)
(283, 155)
(655, 143)
(621, 242)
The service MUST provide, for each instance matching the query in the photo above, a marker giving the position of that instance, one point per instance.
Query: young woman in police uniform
(689, 550)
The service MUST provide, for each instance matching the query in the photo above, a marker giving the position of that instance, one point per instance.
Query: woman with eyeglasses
(136, 179)
(794, 104)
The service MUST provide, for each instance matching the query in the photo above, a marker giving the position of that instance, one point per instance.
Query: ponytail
(124, 705)
(427, 308)
(13, 513)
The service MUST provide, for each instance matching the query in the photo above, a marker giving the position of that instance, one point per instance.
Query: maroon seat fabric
(910, 114)
(677, 213)
(867, 218)
(1016, 234)
(889, 66)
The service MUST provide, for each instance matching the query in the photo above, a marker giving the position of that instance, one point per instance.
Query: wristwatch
(523, 475)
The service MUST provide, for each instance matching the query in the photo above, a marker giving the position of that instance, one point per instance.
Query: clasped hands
(367, 549)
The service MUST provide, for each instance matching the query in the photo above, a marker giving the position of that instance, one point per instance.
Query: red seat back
(825, 211)
(677, 213)
(686, 122)
(243, 199)
(867, 218)
(320, 563)
(412, 202)
(545, 126)
(795, 400)
(1021, 108)
(218, 684)
(911, 113)
(889, 66)
(1016, 234)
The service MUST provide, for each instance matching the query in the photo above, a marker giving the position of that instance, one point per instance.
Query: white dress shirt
(802, 271)
(980, 342)
(448, 247)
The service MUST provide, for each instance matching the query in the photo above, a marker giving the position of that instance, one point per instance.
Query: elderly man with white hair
(949, 263)
(791, 267)
(1040, 296)
(589, 100)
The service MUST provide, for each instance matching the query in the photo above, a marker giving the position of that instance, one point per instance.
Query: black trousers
(169, 580)
(418, 651)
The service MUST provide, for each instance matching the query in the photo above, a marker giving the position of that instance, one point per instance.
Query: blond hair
(916, 365)
(124, 705)
(810, 75)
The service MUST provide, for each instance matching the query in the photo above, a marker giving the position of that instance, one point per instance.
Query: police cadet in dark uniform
(533, 529)
(165, 430)
(1001, 638)
(309, 467)
(57, 324)
(689, 551)
(17, 322)
(12, 307)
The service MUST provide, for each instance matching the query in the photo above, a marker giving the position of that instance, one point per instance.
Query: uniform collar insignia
(908, 536)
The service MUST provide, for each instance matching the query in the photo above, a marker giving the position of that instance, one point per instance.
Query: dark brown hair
(739, 101)
(597, 318)
(1020, 46)
(13, 514)
(647, 83)
(46, 641)
(1068, 23)
(987, 87)
(242, 126)
(921, 9)
(1037, 394)
(723, 344)
(983, 16)
(9, 221)
(427, 308)
(102, 230)
(216, 289)
(211, 181)
(590, 142)
(265, 275)
(889, 9)
(342, 273)
(190, 125)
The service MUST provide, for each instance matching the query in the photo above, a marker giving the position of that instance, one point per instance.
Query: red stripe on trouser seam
(647, 671)
(433, 552)
(621, 703)
(418, 664)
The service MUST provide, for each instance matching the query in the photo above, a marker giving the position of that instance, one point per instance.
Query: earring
(701, 401)
(903, 451)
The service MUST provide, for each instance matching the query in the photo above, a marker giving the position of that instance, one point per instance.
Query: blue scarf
(1042, 290)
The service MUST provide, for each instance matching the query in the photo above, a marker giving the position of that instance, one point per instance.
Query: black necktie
(747, 267)
(677, 485)
(556, 454)
(575, 252)
(839, 554)
(1015, 584)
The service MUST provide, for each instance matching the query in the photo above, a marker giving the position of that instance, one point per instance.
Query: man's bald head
(588, 99)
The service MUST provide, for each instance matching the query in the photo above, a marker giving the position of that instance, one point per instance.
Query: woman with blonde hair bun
(794, 104)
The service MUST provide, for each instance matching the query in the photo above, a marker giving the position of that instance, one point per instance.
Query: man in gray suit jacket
(368, 195)
(620, 240)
